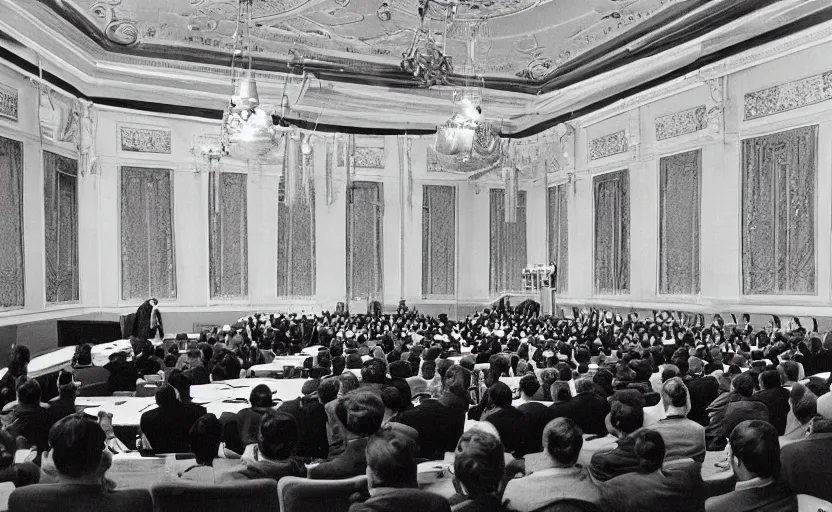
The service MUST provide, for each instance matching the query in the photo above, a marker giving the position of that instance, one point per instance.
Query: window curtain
(612, 233)
(778, 208)
(679, 226)
(558, 222)
(364, 243)
(60, 193)
(508, 244)
(148, 264)
(227, 221)
(296, 228)
(11, 224)
(438, 240)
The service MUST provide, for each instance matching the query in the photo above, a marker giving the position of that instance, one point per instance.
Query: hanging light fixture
(248, 131)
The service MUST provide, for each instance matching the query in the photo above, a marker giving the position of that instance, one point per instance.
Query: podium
(542, 279)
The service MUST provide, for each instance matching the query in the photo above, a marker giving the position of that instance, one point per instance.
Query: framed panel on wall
(779, 173)
(557, 221)
(679, 203)
(612, 233)
(365, 250)
(507, 251)
(438, 241)
(228, 234)
(12, 270)
(60, 194)
(148, 263)
(296, 265)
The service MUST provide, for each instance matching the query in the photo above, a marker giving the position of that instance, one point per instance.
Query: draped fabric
(296, 229)
(679, 224)
(60, 193)
(778, 210)
(11, 224)
(558, 222)
(438, 240)
(364, 242)
(612, 233)
(508, 244)
(148, 264)
(228, 227)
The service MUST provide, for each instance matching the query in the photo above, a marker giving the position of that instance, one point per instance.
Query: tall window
(778, 212)
(296, 228)
(364, 243)
(508, 244)
(228, 235)
(558, 222)
(60, 193)
(679, 224)
(438, 240)
(11, 224)
(612, 233)
(148, 265)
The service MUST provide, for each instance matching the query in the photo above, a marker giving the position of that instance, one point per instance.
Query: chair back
(304, 495)
(571, 505)
(246, 496)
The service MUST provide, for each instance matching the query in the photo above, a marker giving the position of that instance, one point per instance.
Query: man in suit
(505, 417)
(590, 410)
(166, 428)
(536, 415)
(775, 397)
(804, 466)
(683, 438)
(755, 460)
(77, 453)
(703, 390)
(738, 408)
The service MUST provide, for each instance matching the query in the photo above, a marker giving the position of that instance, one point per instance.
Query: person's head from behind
(181, 383)
(361, 412)
(391, 459)
(166, 396)
(19, 361)
(278, 435)
(625, 418)
(529, 385)
(649, 449)
(499, 395)
(328, 390)
(560, 391)
(457, 380)
(428, 369)
(83, 355)
(66, 384)
(675, 396)
(261, 396)
(743, 384)
(770, 379)
(396, 395)
(28, 391)
(76, 446)
(803, 402)
(789, 371)
(479, 463)
(373, 371)
(205, 438)
(562, 441)
(754, 450)
(348, 382)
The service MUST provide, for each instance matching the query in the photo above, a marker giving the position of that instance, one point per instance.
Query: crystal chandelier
(248, 131)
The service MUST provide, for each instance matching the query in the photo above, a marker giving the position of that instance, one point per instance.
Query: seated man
(241, 429)
(657, 486)
(361, 412)
(775, 397)
(508, 420)
(205, 438)
(590, 409)
(479, 466)
(755, 460)
(77, 452)
(166, 429)
(683, 438)
(806, 467)
(622, 421)
(738, 408)
(391, 476)
(29, 418)
(272, 456)
(563, 479)
(309, 410)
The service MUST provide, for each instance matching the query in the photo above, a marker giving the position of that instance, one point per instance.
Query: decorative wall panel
(778, 212)
(438, 240)
(8, 102)
(608, 145)
(60, 193)
(145, 140)
(682, 123)
(364, 241)
(12, 273)
(507, 245)
(148, 263)
(788, 96)
(228, 229)
(679, 224)
(369, 152)
(612, 233)
(296, 230)
(558, 223)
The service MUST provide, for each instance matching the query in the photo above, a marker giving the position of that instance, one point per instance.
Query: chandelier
(424, 59)
(248, 131)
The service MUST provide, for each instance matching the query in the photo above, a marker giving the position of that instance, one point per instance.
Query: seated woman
(205, 438)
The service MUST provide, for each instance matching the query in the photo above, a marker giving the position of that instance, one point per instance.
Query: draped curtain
(778, 209)
(679, 225)
(364, 243)
(227, 224)
(148, 265)
(612, 233)
(296, 229)
(558, 222)
(11, 224)
(438, 240)
(508, 244)
(60, 193)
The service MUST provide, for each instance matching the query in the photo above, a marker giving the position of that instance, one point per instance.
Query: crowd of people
(509, 399)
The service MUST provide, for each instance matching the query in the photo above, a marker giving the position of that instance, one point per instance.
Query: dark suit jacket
(60, 408)
(403, 500)
(677, 486)
(352, 462)
(536, 415)
(440, 424)
(590, 411)
(620, 461)
(31, 422)
(78, 498)
(703, 391)
(242, 429)
(511, 426)
(777, 402)
(717, 432)
(311, 416)
(806, 466)
(167, 428)
(770, 498)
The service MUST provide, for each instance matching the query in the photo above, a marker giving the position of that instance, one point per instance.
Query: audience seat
(570, 505)
(304, 495)
(806, 503)
(252, 496)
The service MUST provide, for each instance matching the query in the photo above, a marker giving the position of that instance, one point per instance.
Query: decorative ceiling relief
(681, 123)
(8, 102)
(789, 96)
(549, 151)
(608, 145)
(118, 28)
(145, 140)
